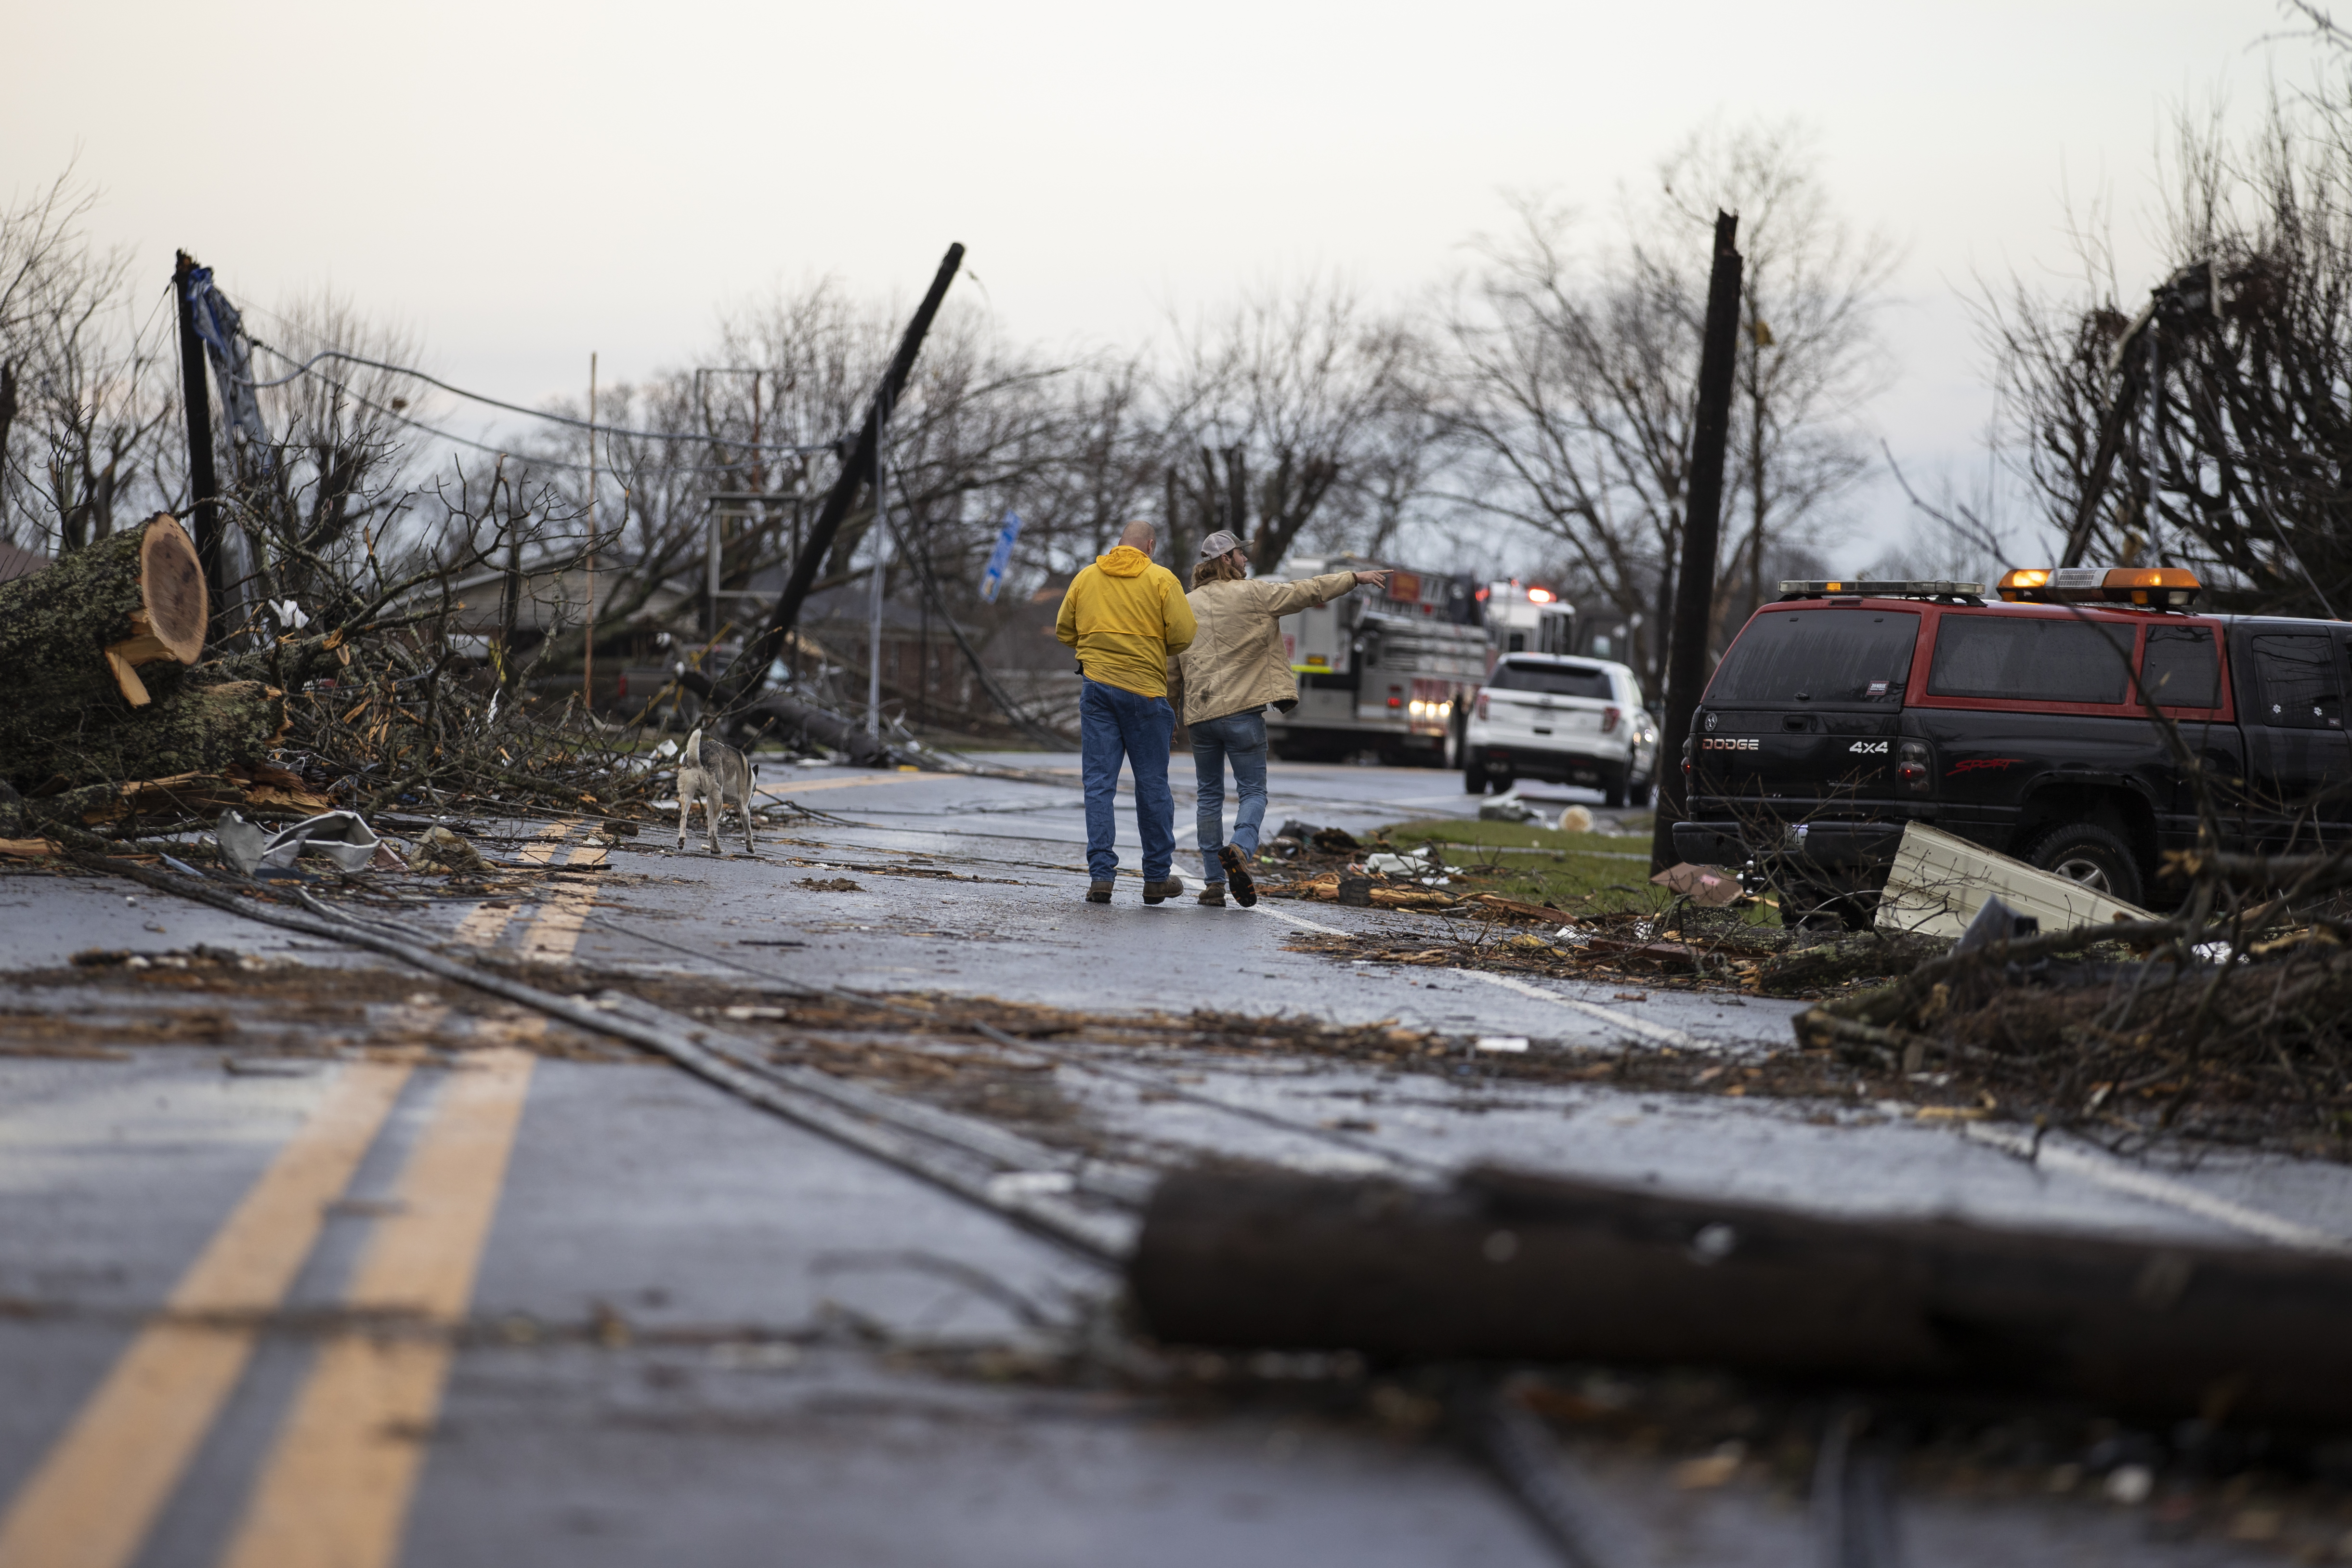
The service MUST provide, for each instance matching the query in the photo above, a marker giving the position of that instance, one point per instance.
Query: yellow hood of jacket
(1125, 616)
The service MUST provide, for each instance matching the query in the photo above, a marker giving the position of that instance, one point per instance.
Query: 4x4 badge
(1868, 746)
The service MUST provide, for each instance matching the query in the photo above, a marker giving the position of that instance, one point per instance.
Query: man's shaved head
(1141, 535)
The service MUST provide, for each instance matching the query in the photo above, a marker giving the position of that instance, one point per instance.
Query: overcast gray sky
(521, 184)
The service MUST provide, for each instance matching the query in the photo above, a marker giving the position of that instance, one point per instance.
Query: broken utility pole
(1686, 649)
(1507, 1266)
(750, 671)
(203, 481)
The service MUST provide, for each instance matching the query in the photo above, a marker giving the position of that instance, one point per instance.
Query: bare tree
(1568, 391)
(1292, 402)
(1810, 354)
(84, 384)
(1571, 382)
(2201, 417)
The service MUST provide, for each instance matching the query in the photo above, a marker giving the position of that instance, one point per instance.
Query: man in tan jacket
(1222, 683)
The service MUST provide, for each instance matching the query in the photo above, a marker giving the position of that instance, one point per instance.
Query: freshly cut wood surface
(100, 648)
(74, 635)
(172, 583)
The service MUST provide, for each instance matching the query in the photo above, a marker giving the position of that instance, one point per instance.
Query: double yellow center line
(555, 932)
(334, 1490)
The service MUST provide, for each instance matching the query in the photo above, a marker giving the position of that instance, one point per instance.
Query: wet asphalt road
(693, 1332)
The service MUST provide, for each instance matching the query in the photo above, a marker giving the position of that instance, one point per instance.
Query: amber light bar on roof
(2154, 587)
(1791, 588)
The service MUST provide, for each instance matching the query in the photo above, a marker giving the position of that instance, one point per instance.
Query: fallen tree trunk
(192, 726)
(79, 629)
(1513, 1265)
(790, 717)
(97, 646)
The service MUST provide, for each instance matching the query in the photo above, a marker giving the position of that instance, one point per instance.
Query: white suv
(1567, 720)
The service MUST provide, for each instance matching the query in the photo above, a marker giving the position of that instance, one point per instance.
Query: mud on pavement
(674, 1273)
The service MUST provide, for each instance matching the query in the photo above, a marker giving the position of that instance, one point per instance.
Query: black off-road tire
(2089, 853)
(1474, 777)
(1809, 906)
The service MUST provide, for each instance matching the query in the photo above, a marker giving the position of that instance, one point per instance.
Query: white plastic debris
(1420, 863)
(339, 836)
(1508, 808)
(288, 614)
(1939, 883)
(1012, 1186)
(666, 748)
(1502, 1042)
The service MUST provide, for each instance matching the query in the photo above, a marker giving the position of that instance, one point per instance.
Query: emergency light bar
(2154, 587)
(1793, 589)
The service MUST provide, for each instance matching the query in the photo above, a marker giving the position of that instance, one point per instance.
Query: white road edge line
(2116, 1176)
(1661, 1033)
(1192, 883)
(1658, 1032)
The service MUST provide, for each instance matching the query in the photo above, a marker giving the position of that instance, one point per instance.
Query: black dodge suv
(1846, 710)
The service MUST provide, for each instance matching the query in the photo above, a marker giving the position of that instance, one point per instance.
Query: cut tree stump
(100, 648)
(91, 618)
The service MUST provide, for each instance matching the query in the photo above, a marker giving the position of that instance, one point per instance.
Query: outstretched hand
(1377, 579)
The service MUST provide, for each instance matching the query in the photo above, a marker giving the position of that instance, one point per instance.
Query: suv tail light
(1608, 717)
(1688, 741)
(1482, 705)
(1915, 769)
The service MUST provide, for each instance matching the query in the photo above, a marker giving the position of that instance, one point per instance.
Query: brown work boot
(1236, 866)
(1214, 895)
(1097, 892)
(1166, 888)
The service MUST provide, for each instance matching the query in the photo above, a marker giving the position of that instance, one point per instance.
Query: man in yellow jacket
(1125, 618)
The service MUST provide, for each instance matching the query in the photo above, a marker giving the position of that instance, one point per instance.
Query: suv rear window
(2300, 689)
(1553, 679)
(1819, 656)
(2033, 659)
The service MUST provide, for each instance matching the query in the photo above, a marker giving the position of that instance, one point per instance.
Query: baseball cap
(1218, 544)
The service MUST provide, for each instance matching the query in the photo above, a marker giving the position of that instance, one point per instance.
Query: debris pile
(119, 724)
(2230, 1019)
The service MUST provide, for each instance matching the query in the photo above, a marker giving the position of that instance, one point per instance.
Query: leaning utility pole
(878, 583)
(203, 481)
(1686, 668)
(750, 671)
(588, 646)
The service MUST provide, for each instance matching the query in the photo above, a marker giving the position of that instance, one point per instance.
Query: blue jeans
(1114, 722)
(1240, 738)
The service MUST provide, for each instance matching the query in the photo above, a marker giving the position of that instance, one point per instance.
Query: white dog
(711, 770)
